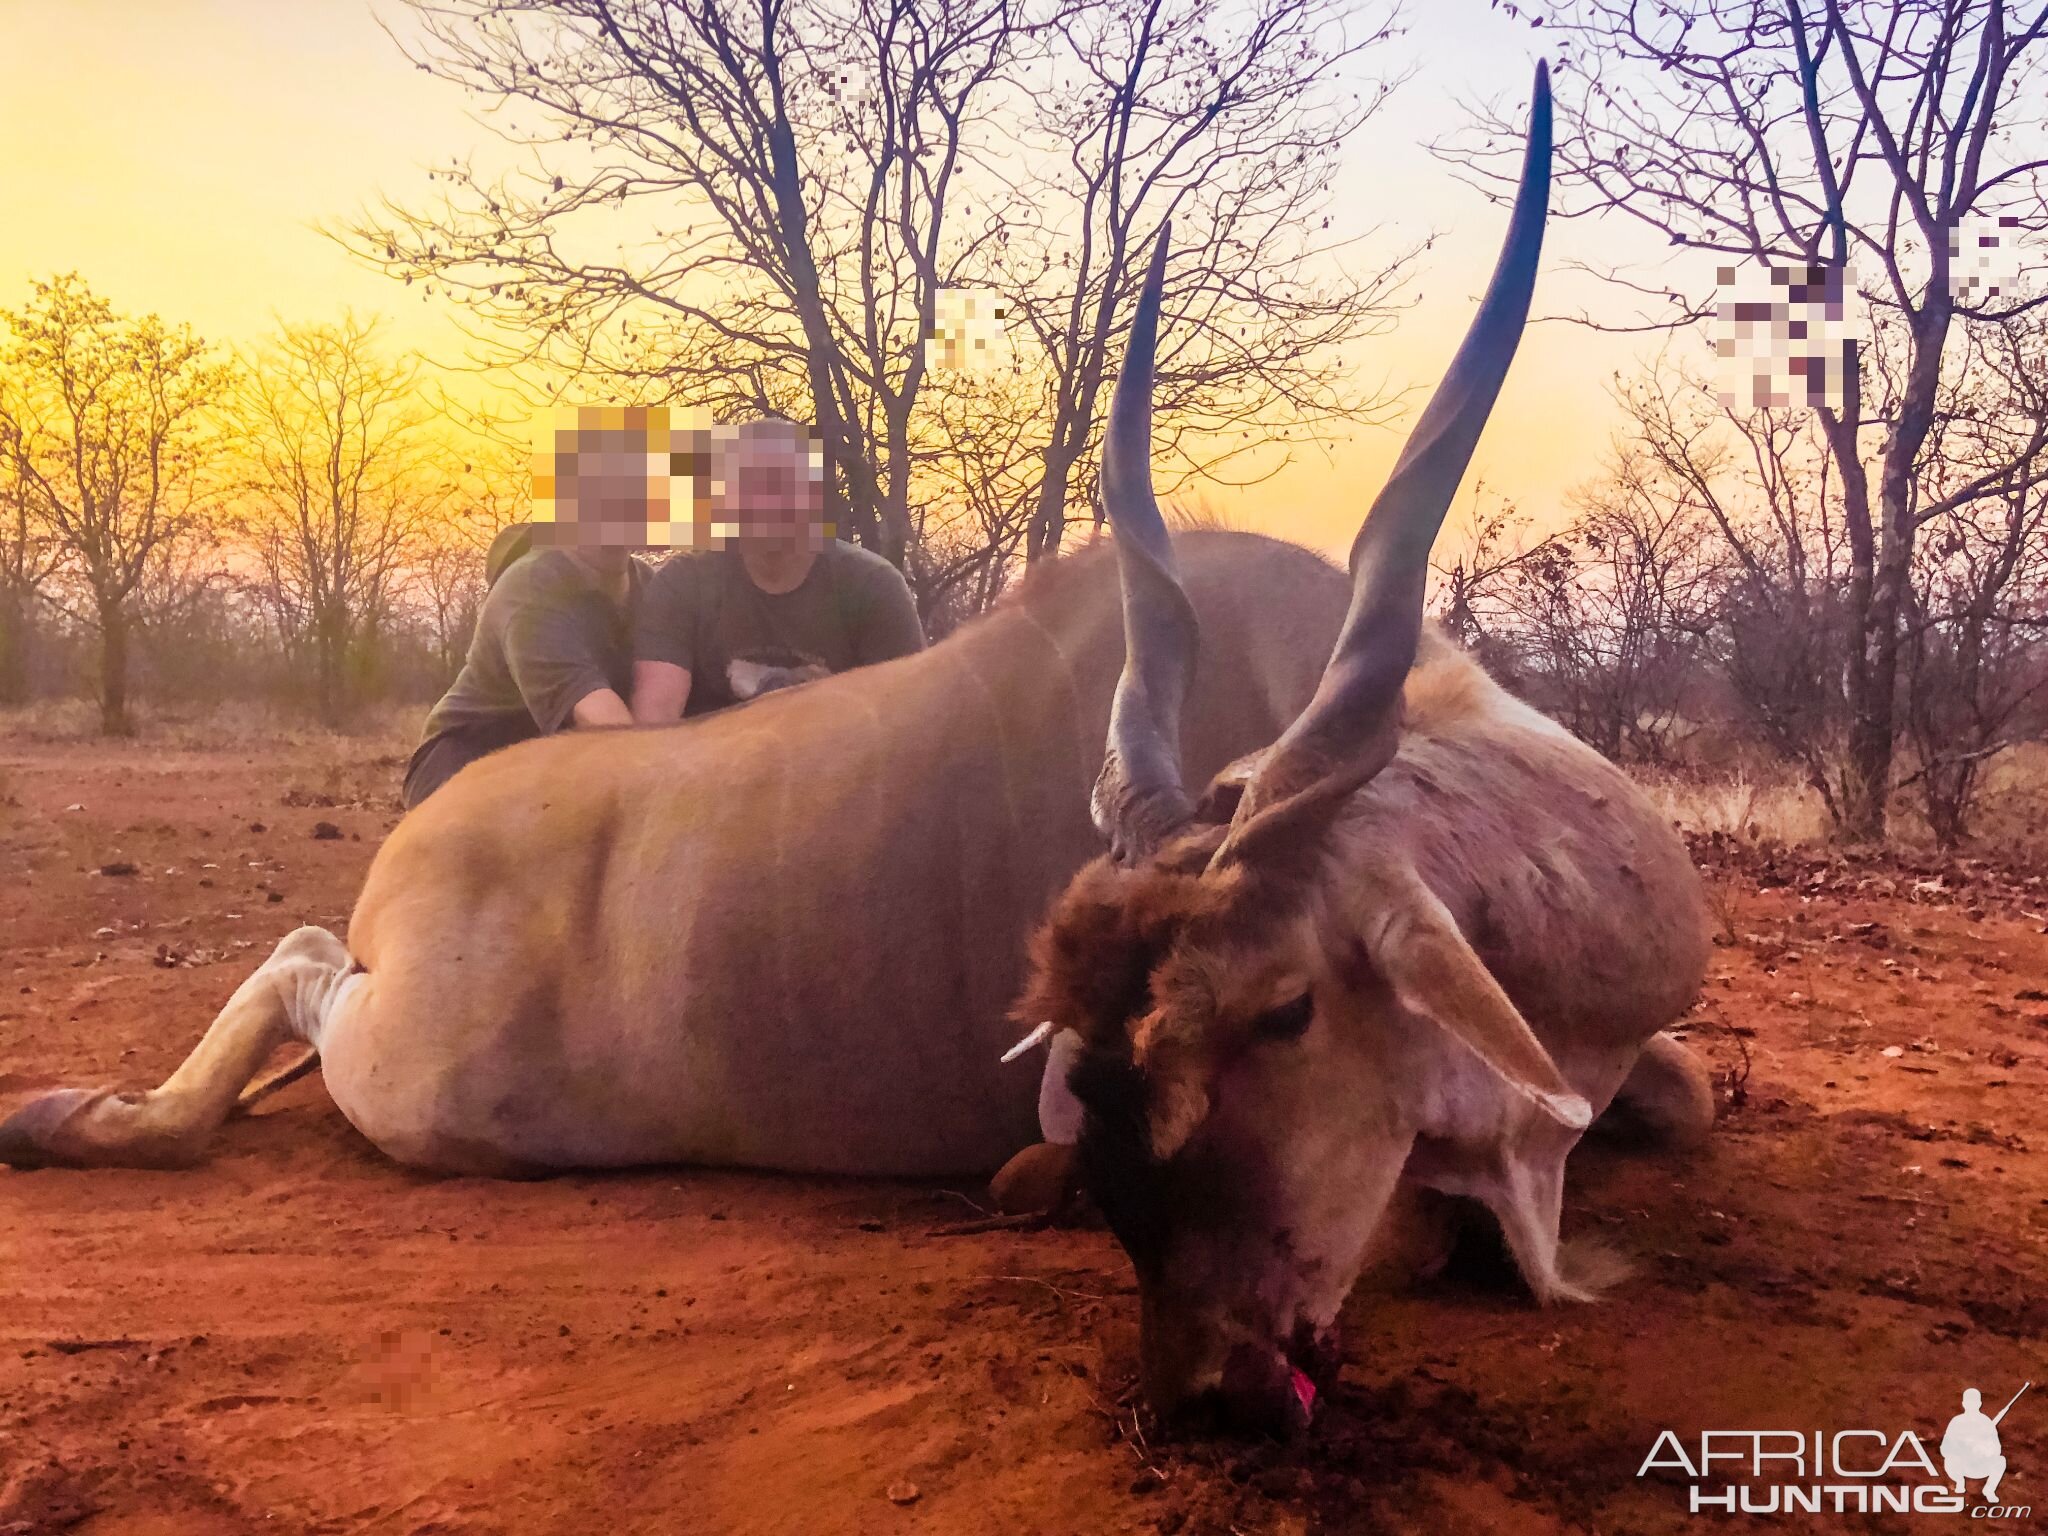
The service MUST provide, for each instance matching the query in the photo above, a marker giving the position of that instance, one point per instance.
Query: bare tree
(1765, 482)
(1228, 123)
(443, 586)
(977, 490)
(341, 480)
(1603, 622)
(1809, 135)
(106, 424)
(806, 180)
(1976, 647)
(1497, 544)
(797, 163)
(1720, 535)
(199, 635)
(1623, 611)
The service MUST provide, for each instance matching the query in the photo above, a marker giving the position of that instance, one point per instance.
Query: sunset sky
(181, 154)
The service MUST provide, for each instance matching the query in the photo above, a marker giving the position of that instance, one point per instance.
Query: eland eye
(1288, 1021)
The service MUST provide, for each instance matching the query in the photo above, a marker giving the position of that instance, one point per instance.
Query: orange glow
(181, 156)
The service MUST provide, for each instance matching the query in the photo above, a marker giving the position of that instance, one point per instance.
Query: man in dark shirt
(553, 641)
(782, 601)
(550, 651)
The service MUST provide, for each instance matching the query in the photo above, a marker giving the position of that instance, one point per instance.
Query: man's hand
(600, 707)
(660, 690)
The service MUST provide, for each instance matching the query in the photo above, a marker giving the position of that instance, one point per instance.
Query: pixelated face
(1785, 334)
(966, 333)
(768, 487)
(1985, 259)
(1237, 1130)
(603, 479)
(615, 491)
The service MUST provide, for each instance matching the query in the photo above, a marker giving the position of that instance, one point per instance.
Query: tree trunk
(1867, 776)
(836, 433)
(114, 719)
(1049, 521)
(330, 647)
(1859, 814)
(895, 502)
(1873, 724)
(17, 635)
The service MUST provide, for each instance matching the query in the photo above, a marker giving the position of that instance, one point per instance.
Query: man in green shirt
(553, 642)
(781, 601)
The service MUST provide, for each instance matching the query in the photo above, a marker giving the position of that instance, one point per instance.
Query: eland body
(785, 936)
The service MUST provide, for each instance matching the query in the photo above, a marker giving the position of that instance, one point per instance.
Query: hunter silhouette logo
(1845, 1471)
(1970, 1448)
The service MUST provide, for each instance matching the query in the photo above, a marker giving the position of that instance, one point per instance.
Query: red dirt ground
(302, 1337)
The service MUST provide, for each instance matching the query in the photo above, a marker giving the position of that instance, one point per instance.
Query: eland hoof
(34, 1135)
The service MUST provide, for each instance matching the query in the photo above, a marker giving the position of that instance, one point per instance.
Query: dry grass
(1746, 805)
(1761, 801)
(313, 766)
(1754, 801)
(385, 730)
(2012, 811)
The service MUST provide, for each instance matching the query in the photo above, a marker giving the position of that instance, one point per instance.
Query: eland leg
(292, 995)
(1529, 1203)
(1667, 1097)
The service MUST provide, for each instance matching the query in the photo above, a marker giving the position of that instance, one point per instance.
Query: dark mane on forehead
(1092, 957)
(1092, 960)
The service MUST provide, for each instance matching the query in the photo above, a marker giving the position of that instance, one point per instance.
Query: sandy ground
(303, 1337)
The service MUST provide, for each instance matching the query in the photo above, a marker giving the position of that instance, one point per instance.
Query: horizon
(241, 130)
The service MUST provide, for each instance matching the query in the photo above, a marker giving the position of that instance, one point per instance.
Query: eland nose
(1263, 1393)
(1256, 1392)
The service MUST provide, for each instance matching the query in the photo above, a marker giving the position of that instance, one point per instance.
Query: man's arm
(660, 691)
(600, 707)
(664, 634)
(558, 663)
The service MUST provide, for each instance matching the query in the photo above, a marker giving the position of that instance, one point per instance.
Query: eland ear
(1414, 943)
(1176, 1069)
(1180, 1103)
(1286, 841)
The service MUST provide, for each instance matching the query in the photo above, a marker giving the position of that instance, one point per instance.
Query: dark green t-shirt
(702, 612)
(546, 636)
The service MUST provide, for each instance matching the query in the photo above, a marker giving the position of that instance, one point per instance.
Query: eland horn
(1138, 799)
(1351, 726)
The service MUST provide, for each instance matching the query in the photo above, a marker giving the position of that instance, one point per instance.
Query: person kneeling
(776, 600)
(553, 642)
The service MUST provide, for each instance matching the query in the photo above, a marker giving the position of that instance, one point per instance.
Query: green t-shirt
(702, 612)
(546, 636)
